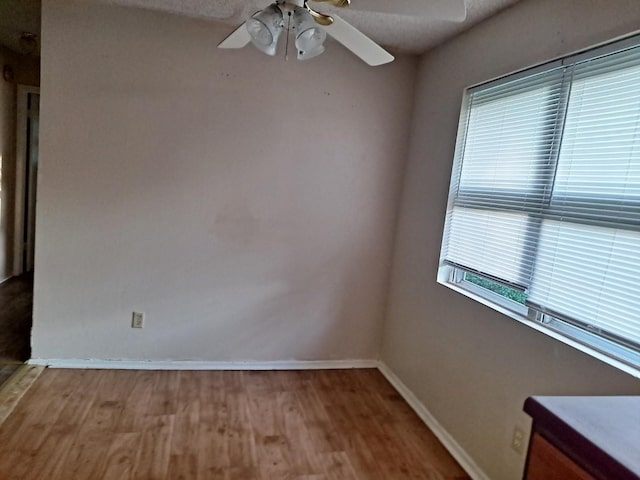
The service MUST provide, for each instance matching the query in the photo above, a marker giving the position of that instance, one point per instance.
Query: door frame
(22, 98)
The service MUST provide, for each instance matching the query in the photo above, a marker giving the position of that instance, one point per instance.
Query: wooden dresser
(584, 438)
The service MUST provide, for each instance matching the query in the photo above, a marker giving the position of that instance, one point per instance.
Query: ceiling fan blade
(237, 39)
(454, 10)
(358, 42)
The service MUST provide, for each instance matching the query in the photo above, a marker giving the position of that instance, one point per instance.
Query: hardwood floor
(6, 370)
(15, 388)
(302, 425)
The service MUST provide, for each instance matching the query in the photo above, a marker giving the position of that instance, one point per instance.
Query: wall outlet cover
(137, 320)
(518, 440)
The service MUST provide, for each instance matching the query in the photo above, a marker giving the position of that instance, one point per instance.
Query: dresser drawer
(546, 462)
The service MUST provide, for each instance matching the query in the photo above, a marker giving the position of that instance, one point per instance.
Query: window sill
(522, 318)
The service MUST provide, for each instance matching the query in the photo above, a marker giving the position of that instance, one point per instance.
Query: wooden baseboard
(199, 365)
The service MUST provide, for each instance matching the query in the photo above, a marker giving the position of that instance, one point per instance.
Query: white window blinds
(503, 176)
(545, 192)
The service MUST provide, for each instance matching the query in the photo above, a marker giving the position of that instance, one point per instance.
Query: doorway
(16, 294)
(27, 135)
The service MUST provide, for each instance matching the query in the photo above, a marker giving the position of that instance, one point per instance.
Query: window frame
(452, 275)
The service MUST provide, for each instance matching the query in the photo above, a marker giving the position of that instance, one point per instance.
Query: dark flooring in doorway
(16, 306)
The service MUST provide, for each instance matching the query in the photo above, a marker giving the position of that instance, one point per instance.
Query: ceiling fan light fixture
(265, 27)
(309, 54)
(309, 36)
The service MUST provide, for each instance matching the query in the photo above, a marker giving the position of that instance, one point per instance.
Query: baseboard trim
(461, 456)
(201, 365)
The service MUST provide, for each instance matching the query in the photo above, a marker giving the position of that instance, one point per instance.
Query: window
(543, 220)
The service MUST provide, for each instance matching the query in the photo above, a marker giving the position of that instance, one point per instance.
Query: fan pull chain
(286, 48)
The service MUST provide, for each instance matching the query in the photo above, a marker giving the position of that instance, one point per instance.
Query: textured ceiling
(399, 33)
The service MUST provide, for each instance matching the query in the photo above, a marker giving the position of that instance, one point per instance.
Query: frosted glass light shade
(307, 54)
(265, 27)
(310, 36)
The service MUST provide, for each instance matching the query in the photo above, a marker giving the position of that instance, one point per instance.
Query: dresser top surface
(601, 431)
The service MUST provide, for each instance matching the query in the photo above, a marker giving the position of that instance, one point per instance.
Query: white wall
(246, 204)
(471, 366)
(26, 72)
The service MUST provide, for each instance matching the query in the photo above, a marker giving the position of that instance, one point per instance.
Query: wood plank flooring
(298, 425)
(6, 370)
(15, 388)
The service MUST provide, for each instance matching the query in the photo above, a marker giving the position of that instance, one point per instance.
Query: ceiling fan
(311, 27)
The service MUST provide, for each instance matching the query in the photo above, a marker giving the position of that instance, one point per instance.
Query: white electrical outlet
(518, 440)
(137, 320)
